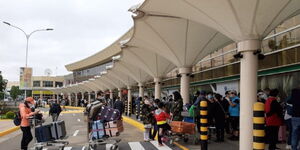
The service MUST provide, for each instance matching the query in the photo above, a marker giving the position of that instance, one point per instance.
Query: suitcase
(114, 128)
(114, 114)
(43, 133)
(98, 130)
(58, 130)
(93, 109)
(182, 127)
(103, 113)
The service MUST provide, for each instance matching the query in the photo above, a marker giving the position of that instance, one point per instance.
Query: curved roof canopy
(123, 77)
(134, 72)
(100, 57)
(152, 63)
(181, 41)
(238, 19)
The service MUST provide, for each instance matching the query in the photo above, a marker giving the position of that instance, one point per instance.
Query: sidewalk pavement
(232, 145)
(6, 124)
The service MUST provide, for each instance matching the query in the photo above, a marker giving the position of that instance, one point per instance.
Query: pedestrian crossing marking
(165, 147)
(136, 145)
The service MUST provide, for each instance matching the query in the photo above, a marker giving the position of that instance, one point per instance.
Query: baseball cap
(30, 100)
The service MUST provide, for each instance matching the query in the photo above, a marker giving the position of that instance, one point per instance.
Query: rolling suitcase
(114, 114)
(58, 130)
(43, 133)
(114, 128)
(104, 112)
(98, 130)
(93, 109)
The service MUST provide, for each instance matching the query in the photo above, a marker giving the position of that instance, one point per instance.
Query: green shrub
(10, 115)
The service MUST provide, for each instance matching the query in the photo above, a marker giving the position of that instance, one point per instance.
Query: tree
(15, 91)
(3, 83)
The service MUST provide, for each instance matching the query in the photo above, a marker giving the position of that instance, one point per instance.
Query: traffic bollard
(258, 126)
(203, 125)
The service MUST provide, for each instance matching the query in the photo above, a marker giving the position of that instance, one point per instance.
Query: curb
(8, 131)
(71, 107)
(140, 126)
(5, 119)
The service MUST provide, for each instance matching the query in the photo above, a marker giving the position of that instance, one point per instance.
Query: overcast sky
(81, 28)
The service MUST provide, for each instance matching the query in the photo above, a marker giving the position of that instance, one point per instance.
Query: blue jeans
(290, 129)
(296, 132)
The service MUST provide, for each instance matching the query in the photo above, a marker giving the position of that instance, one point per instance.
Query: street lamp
(27, 39)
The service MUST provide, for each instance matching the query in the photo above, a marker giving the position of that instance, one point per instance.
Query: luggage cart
(60, 144)
(94, 143)
(177, 136)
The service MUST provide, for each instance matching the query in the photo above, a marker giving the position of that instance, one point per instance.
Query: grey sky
(81, 28)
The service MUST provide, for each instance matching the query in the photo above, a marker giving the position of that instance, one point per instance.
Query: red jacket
(161, 116)
(273, 119)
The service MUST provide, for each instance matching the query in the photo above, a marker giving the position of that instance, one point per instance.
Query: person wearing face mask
(210, 112)
(26, 112)
(234, 113)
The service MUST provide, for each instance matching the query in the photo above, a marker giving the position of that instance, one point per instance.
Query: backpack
(17, 119)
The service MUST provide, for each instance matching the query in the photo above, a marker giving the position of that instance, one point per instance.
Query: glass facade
(47, 83)
(36, 83)
(85, 74)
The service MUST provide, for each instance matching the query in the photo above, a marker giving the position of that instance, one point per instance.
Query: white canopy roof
(237, 19)
(134, 72)
(150, 62)
(123, 77)
(181, 41)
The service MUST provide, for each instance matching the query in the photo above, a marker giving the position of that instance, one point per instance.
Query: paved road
(77, 136)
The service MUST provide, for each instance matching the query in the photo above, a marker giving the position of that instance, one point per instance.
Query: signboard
(25, 77)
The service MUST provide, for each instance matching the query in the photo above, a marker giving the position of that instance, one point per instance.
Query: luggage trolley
(60, 143)
(91, 113)
(190, 130)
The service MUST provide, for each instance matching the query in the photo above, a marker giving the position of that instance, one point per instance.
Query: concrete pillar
(141, 90)
(129, 96)
(57, 96)
(70, 98)
(185, 83)
(89, 97)
(63, 96)
(157, 88)
(248, 89)
(111, 96)
(41, 95)
(76, 99)
(120, 93)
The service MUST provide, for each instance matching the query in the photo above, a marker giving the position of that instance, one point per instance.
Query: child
(161, 117)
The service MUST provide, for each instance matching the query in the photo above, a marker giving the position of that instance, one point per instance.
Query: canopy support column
(157, 88)
(111, 96)
(185, 83)
(70, 99)
(141, 90)
(120, 93)
(76, 99)
(129, 100)
(89, 97)
(248, 89)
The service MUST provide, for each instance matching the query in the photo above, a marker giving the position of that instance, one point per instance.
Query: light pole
(27, 40)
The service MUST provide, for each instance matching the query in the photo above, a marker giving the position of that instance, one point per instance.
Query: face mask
(209, 96)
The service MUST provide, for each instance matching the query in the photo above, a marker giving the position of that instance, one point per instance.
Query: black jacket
(119, 105)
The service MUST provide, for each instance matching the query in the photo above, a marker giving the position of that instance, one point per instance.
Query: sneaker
(160, 145)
